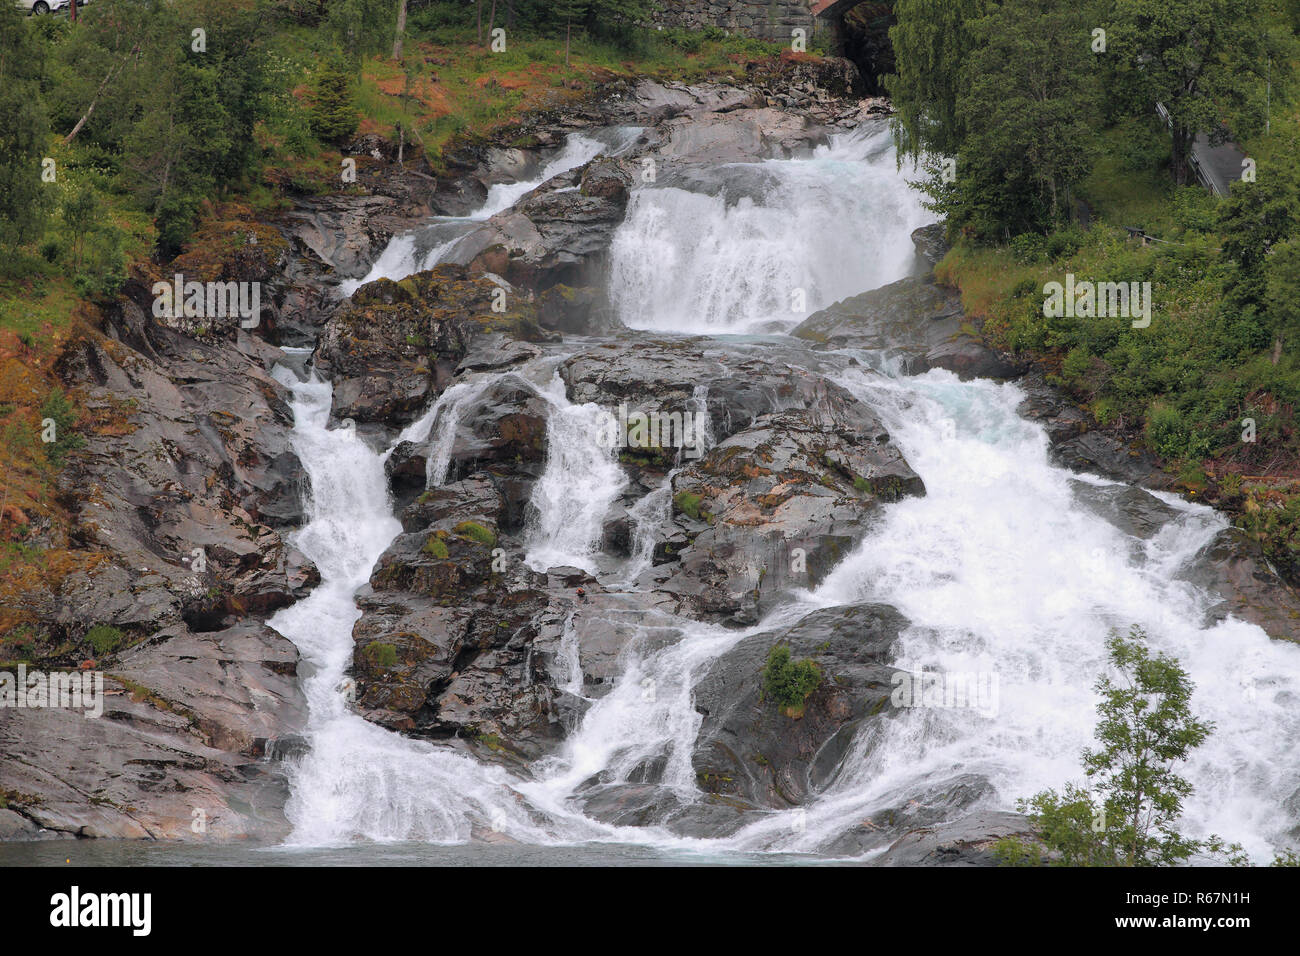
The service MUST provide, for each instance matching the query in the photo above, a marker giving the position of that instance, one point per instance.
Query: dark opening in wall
(864, 31)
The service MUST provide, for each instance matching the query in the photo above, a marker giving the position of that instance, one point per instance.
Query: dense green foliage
(1030, 81)
(931, 41)
(23, 132)
(1043, 77)
(104, 638)
(1202, 59)
(789, 682)
(615, 20)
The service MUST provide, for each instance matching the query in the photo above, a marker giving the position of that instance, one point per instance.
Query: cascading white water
(410, 253)
(1002, 572)
(578, 149)
(772, 243)
(999, 567)
(581, 480)
(358, 781)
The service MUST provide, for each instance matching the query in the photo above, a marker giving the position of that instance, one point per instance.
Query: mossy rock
(474, 531)
(380, 655)
(437, 547)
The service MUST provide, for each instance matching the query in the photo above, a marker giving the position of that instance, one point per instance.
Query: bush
(381, 655)
(104, 639)
(1028, 248)
(61, 412)
(436, 547)
(1171, 437)
(789, 682)
(689, 504)
(1064, 242)
(685, 40)
(104, 267)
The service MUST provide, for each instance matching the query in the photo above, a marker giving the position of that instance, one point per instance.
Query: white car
(41, 6)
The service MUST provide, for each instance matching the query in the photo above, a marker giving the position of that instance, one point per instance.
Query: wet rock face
(749, 748)
(180, 751)
(968, 841)
(394, 346)
(1077, 444)
(777, 505)
(916, 320)
(796, 468)
(1233, 567)
(931, 243)
(187, 497)
(557, 234)
(180, 500)
(447, 644)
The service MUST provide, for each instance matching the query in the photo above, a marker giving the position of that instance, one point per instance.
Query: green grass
(381, 655)
(105, 639)
(689, 504)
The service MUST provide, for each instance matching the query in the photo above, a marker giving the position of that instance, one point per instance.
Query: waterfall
(762, 246)
(1002, 572)
(1000, 568)
(413, 252)
(359, 781)
(581, 480)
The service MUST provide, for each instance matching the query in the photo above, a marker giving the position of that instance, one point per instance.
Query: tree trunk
(1183, 139)
(568, 33)
(492, 17)
(401, 30)
(95, 99)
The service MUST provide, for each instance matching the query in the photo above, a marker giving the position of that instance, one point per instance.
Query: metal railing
(1202, 175)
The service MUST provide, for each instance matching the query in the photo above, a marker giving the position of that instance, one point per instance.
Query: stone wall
(764, 19)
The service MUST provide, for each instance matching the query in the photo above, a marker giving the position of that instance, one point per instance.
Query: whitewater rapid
(999, 567)
(766, 244)
(422, 249)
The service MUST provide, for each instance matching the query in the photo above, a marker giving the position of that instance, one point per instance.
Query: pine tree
(333, 115)
(567, 11)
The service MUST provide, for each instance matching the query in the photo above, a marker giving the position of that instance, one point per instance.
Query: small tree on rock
(1127, 816)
